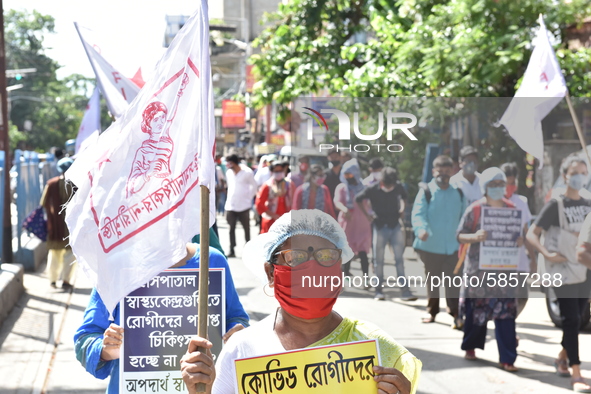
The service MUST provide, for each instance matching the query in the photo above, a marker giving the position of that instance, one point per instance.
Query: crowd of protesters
(445, 218)
(448, 235)
(369, 209)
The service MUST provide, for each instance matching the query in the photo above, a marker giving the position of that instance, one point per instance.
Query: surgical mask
(442, 179)
(496, 193)
(304, 167)
(469, 168)
(577, 181)
(377, 176)
(511, 189)
(351, 181)
(278, 176)
(335, 162)
(289, 286)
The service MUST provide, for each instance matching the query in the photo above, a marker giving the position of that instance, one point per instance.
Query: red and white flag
(90, 128)
(542, 88)
(138, 198)
(118, 90)
(138, 79)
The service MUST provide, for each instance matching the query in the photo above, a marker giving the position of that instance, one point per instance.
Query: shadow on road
(29, 321)
(434, 361)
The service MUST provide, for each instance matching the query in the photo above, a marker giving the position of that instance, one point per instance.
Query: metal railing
(28, 178)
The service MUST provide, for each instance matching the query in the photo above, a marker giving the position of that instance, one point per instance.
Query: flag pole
(573, 114)
(203, 273)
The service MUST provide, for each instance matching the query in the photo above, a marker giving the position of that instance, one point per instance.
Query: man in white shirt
(241, 191)
(468, 178)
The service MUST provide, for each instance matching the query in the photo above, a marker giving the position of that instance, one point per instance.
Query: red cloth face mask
(288, 282)
(510, 189)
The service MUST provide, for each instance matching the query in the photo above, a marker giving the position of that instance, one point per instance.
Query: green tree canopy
(381, 48)
(52, 107)
(414, 48)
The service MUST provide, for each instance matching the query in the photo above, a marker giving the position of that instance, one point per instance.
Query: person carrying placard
(98, 340)
(300, 243)
(491, 300)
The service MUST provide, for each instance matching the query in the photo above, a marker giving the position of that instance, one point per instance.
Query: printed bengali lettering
(153, 385)
(157, 202)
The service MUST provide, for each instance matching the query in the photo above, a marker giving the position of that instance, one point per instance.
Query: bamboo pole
(573, 114)
(203, 273)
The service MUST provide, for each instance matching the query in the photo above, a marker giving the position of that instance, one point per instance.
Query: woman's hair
(277, 163)
(315, 170)
(286, 166)
(389, 176)
(569, 161)
(376, 164)
(151, 110)
(510, 169)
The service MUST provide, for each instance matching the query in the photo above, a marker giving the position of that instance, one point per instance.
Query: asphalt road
(37, 351)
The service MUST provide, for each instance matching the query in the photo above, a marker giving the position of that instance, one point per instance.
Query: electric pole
(5, 146)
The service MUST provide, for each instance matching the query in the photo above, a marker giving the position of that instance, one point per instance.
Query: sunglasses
(326, 257)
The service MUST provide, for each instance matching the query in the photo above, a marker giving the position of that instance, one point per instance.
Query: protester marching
(251, 221)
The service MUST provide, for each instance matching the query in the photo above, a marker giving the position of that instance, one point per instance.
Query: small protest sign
(344, 368)
(503, 226)
(159, 319)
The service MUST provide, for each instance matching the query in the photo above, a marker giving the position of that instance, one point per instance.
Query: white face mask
(278, 176)
(377, 176)
(577, 181)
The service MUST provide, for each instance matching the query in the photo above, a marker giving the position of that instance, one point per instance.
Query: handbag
(560, 240)
(36, 223)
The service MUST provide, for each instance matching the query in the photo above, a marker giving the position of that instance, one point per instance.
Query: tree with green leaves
(46, 111)
(414, 48)
(380, 48)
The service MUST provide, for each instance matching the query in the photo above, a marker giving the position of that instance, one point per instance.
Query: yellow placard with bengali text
(345, 368)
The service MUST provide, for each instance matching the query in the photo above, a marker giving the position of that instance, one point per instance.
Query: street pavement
(37, 351)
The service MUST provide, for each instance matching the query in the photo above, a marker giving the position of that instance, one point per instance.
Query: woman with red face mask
(299, 245)
(275, 196)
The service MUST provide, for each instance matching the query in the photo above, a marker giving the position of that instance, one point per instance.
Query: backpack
(428, 195)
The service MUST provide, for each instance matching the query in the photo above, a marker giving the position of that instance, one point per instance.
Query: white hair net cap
(298, 222)
(489, 175)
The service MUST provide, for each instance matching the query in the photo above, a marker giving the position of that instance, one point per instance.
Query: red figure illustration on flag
(152, 159)
(138, 198)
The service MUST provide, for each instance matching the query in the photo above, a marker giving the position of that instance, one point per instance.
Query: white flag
(542, 88)
(138, 198)
(118, 90)
(90, 127)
